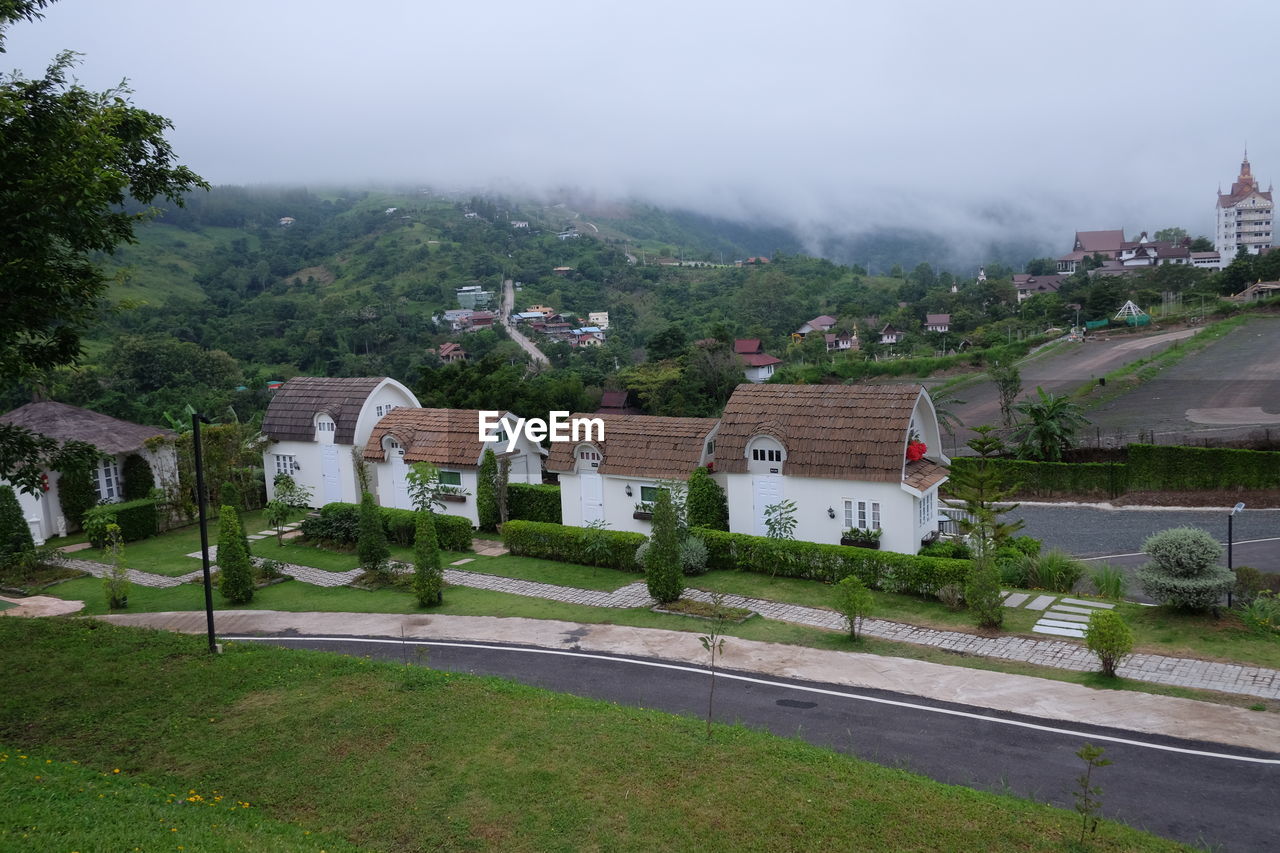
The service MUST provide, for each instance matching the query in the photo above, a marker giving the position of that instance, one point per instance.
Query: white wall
(619, 507)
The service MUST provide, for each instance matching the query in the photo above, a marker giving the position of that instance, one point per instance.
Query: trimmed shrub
(428, 577)
(235, 569)
(371, 540)
(338, 524)
(884, 570)
(1050, 479)
(15, 534)
(230, 496)
(138, 479)
(951, 549)
(530, 502)
(1108, 637)
(984, 597)
(1184, 570)
(486, 495)
(569, 544)
(76, 494)
(693, 556)
(137, 520)
(1159, 467)
(662, 574)
(706, 505)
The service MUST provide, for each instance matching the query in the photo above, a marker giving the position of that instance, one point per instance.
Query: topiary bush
(1184, 570)
(486, 494)
(138, 479)
(571, 544)
(76, 494)
(371, 541)
(662, 572)
(235, 568)
(137, 520)
(533, 502)
(338, 525)
(706, 505)
(428, 577)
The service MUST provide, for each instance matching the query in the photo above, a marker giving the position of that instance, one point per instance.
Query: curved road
(1194, 792)
(508, 305)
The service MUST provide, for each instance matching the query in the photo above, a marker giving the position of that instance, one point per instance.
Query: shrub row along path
(1181, 672)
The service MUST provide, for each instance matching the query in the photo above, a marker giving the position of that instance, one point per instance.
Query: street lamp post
(1231, 542)
(196, 420)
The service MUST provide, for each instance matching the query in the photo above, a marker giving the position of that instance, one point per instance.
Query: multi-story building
(1244, 216)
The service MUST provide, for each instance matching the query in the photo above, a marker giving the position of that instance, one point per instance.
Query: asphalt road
(1193, 792)
(504, 312)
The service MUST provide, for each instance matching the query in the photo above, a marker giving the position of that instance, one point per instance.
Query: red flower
(916, 450)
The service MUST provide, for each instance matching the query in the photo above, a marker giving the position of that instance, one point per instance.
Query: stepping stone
(213, 553)
(292, 534)
(1089, 603)
(266, 533)
(1069, 609)
(1064, 617)
(1058, 632)
(1057, 623)
(255, 537)
(463, 561)
(71, 549)
(1042, 602)
(1016, 599)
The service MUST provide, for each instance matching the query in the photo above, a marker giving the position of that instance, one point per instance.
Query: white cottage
(840, 452)
(616, 480)
(116, 439)
(314, 423)
(448, 439)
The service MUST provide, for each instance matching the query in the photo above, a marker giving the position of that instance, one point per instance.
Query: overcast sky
(1084, 115)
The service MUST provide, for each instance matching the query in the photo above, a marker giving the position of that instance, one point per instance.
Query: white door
(592, 497)
(767, 491)
(399, 480)
(329, 473)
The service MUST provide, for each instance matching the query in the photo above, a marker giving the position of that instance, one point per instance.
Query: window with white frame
(106, 482)
(862, 515)
(286, 463)
(450, 478)
(649, 494)
(588, 458)
(926, 508)
(383, 409)
(766, 454)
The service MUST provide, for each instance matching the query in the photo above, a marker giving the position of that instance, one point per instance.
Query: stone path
(1060, 616)
(1182, 672)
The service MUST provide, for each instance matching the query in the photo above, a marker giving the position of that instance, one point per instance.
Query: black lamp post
(196, 420)
(1231, 542)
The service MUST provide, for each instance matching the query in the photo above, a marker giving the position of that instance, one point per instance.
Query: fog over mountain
(984, 122)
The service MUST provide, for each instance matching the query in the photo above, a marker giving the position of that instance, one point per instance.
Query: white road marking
(753, 680)
(1144, 553)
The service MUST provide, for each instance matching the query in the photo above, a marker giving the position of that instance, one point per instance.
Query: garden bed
(705, 610)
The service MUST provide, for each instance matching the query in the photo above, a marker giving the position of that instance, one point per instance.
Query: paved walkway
(1181, 672)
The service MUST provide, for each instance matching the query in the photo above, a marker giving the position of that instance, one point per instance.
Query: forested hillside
(246, 286)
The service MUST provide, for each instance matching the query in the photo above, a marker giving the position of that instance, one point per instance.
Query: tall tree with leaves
(662, 572)
(1049, 425)
(371, 541)
(976, 489)
(1008, 386)
(70, 159)
(234, 563)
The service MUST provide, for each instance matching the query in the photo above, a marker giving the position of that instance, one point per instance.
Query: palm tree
(1049, 426)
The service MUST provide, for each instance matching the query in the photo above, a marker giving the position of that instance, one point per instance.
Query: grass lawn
(166, 554)
(404, 758)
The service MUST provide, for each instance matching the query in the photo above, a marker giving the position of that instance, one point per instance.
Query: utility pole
(196, 420)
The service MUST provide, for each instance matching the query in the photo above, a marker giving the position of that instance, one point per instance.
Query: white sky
(1084, 115)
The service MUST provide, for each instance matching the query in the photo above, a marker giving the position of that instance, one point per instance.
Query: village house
(315, 423)
(1028, 286)
(449, 440)
(1105, 244)
(451, 352)
(616, 480)
(937, 322)
(890, 335)
(116, 439)
(599, 319)
(824, 323)
(842, 341)
(758, 365)
(849, 456)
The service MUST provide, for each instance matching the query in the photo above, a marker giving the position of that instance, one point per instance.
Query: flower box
(454, 499)
(643, 515)
(861, 543)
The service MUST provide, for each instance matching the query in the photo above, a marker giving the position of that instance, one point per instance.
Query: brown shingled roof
(642, 446)
(923, 474)
(291, 414)
(839, 432)
(62, 422)
(439, 436)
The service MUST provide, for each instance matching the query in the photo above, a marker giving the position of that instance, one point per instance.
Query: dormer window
(588, 458)
(765, 455)
(392, 448)
(325, 429)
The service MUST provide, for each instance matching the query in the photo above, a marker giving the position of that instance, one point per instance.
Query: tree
(1171, 235)
(487, 492)
(138, 479)
(1050, 425)
(76, 493)
(70, 160)
(428, 577)
(235, 567)
(669, 343)
(713, 642)
(424, 486)
(855, 602)
(706, 506)
(289, 498)
(983, 594)
(115, 585)
(1108, 637)
(15, 534)
(662, 573)
(371, 541)
(1041, 266)
(780, 520)
(1184, 570)
(1008, 385)
(976, 489)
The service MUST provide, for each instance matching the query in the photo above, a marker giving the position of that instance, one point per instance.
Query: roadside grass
(1169, 631)
(401, 757)
(60, 805)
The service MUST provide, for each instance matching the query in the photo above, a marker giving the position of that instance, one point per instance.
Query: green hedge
(1156, 467)
(529, 502)
(137, 519)
(1048, 479)
(615, 549)
(338, 523)
(884, 570)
